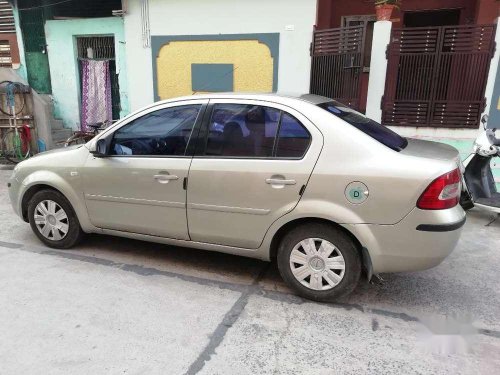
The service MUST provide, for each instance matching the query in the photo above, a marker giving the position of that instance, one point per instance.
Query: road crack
(227, 322)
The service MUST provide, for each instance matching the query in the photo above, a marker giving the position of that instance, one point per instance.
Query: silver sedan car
(328, 193)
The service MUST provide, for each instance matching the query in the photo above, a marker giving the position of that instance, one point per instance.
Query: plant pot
(384, 12)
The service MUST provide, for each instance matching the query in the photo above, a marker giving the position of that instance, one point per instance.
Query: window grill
(5, 54)
(436, 76)
(6, 18)
(96, 47)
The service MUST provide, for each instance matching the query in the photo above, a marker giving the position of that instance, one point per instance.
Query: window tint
(242, 130)
(163, 132)
(372, 128)
(293, 139)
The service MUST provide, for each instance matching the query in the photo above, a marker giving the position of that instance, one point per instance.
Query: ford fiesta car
(326, 191)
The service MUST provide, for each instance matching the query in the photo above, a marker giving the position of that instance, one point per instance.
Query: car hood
(54, 159)
(431, 150)
(58, 150)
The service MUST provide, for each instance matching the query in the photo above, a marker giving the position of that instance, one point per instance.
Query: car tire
(302, 252)
(64, 230)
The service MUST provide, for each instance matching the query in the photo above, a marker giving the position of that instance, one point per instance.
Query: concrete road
(128, 307)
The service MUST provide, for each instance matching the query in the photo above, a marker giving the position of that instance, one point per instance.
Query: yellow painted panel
(252, 61)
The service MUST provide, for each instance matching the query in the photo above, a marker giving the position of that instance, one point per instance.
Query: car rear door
(253, 164)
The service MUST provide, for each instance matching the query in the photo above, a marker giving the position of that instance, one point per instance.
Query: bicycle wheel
(78, 139)
(4, 106)
(16, 146)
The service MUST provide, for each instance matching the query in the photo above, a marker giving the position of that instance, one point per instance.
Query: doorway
(430, 18)
(99, 51)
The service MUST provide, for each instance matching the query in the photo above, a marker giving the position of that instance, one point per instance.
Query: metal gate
(337, 64)
(437, 76)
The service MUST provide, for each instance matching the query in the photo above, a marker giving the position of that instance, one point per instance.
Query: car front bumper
(14, 188)
(422, 240)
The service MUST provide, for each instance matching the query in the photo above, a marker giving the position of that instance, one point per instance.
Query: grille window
(5, 54)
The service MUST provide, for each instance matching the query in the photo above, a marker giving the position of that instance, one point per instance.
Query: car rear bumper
(422, 240)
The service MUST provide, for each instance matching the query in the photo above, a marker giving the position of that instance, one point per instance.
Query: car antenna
(208, 84)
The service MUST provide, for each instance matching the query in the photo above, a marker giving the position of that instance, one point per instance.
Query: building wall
(330, 11)
(200, 17)
(61, 47)
(487, 11)
(244, 65)
(21, 68)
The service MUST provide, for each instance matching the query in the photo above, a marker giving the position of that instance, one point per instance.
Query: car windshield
(372, 128)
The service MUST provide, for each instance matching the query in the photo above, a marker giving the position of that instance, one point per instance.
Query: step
(60, 135)
(56, 124)
(46, 97)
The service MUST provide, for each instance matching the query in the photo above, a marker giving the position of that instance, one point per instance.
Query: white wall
(197, 17)
(494, 71)
(378, 70)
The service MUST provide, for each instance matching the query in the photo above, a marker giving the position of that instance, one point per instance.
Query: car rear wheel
(319, 261)
(53, 220)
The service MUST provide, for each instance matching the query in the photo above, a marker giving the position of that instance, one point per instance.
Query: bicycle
(83, 136)
(16, 143)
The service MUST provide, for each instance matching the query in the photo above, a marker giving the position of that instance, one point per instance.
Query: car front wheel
(319, 261)
(53, 220)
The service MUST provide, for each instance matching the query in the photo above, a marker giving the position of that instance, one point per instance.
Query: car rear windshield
(375, 130)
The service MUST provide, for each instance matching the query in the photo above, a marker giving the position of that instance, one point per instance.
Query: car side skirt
(251, 253)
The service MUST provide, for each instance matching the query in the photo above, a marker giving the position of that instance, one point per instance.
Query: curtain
(96, 92)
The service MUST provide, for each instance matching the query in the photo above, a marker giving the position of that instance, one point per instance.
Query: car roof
(276, 97)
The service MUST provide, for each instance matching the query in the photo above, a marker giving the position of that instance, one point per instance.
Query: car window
(242, 130)
(163, 132)
(293, 138)
(372, 128)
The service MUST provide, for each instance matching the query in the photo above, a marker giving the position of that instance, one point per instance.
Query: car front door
(138, 187)
(255, 161)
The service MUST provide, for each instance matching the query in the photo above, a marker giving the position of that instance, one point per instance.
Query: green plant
(396, 3)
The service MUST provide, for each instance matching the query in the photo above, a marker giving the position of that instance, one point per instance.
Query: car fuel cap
(356, 192)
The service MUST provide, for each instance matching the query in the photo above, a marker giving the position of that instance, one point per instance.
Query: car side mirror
(100, 149)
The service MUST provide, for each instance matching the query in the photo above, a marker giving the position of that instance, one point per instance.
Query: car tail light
(442, 193)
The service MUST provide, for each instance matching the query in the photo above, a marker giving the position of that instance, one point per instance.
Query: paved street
(120, 306)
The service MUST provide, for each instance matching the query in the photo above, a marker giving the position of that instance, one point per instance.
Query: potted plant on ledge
(384, 8)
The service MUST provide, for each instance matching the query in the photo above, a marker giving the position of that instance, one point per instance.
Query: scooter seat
(494, 201)
(493, 137)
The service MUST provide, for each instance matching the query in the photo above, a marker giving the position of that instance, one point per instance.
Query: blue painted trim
(212, 77)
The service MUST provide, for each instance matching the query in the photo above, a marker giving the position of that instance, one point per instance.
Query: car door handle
(279, 181)
(165, 178)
